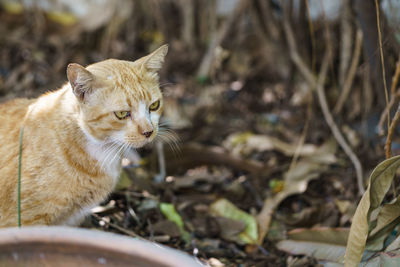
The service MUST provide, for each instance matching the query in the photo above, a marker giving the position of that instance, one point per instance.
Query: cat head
(119, 101)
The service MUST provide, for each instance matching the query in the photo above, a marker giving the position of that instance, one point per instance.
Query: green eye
(154, 106)
(122, 114)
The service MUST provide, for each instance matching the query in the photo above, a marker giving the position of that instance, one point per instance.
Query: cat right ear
(81, 80)
(155, 60)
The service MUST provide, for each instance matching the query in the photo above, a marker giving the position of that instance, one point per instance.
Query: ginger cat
(74, 138)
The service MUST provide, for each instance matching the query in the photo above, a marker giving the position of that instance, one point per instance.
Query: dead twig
(393, 98)
(117, 227)
(395, 78)
(295, 56)
(307, 74)
(383, 117)
(382, 59)
(392, 128)
(335, 130)
(303, 136)
(351, 73)
(312, 36)
(193, 154)
(218, 37)
(188, 28)
(346, 33)
(160, 177)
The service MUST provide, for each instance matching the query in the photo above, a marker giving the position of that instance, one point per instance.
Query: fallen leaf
(322, 243)
(166, 227)
(343, 205)
(296, 181)
(189, 180)
(391, 258)
(320, 251)
(330, 235)
(230, 229)
(225, 208)
(247, 142)
(169, 211)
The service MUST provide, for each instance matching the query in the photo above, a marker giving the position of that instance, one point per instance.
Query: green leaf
(169, 211)
(202, 79)
(379, 184)
(295, 182)
(225, 208)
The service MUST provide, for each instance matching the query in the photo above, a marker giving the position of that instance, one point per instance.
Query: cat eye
(154, 106)
(122, 114)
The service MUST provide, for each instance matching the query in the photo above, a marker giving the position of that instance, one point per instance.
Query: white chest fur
(108, 157)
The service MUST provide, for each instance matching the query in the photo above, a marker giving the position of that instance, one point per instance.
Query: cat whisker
(166, 123)
(109, 152)
(121, 149)
(166, 83)
(174, 146)
(170, 137)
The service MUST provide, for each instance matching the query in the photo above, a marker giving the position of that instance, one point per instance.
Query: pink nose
(147, 134)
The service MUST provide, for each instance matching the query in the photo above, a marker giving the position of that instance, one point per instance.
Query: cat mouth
(139, 142)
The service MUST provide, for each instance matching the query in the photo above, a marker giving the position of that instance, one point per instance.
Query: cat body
(74, 138)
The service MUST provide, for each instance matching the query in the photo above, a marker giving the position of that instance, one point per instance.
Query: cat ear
(154, 61)
(81, 80)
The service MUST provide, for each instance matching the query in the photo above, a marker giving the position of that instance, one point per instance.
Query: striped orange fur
(73, 141)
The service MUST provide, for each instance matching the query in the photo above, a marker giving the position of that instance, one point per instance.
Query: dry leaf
(322, 243)
(296, 181)
(379, 183)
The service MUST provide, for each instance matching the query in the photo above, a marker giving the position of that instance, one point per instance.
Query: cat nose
(147, 134)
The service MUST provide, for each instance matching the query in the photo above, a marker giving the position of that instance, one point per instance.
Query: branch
(350, 76)
(319, 85)
(393, 98)
(392, 128)
(332, 125)
(294, 55)
(382, 59)
(218, 37)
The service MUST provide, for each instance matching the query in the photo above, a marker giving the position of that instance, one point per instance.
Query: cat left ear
(154, 61)
(81, 80)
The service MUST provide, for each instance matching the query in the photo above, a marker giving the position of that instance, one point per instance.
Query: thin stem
(21, 134)
(392, 128)
(382, 59)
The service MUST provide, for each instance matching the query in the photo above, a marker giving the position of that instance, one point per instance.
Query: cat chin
(139, 144)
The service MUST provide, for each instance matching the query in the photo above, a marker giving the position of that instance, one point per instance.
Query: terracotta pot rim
(97, 239)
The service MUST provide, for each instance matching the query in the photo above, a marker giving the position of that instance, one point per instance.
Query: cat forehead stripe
(142, 110)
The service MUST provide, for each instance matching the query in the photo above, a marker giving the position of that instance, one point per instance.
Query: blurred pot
(64, 246)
